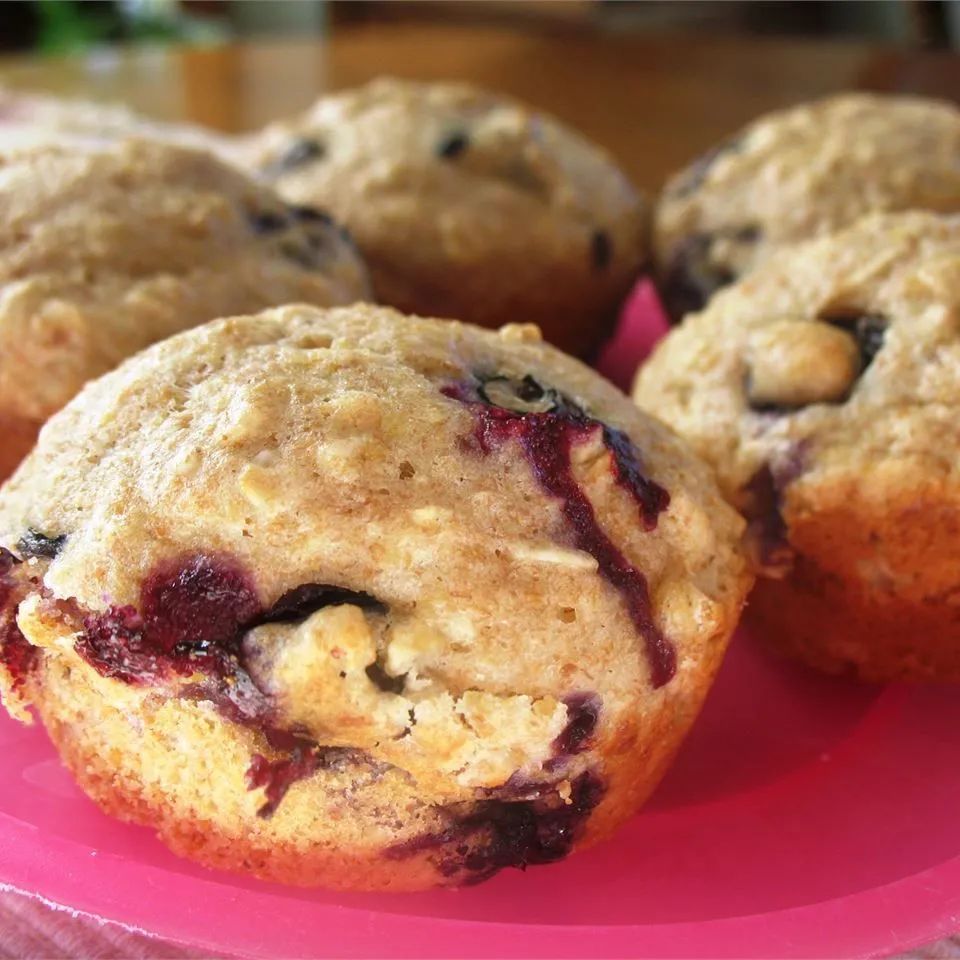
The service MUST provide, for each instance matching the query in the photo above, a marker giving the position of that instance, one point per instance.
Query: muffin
(824, 388)
(467, 205)
(799, 174)
(35, 119)
(103, 252)
(363, 600)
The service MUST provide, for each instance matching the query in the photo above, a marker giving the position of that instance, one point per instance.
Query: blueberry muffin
(825, 389)
(799, 174)
(351, 598)
(103, 252)
(35, 119)
(467, 205)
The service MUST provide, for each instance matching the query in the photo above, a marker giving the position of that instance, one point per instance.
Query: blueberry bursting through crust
(868, 329)
(189, 623)
(763, 494)
(482, 838)
(299, 153)
(36, 544)
(547, 424)
(305, 235)
(691, 277)
(193, 613)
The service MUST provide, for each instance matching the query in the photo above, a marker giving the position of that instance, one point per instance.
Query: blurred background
(656, 82)
(70, 26)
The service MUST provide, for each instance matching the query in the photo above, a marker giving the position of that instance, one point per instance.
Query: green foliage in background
(71, 27)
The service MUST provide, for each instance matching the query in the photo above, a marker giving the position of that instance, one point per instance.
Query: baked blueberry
(601, 250)
(302, 150)
(823, 387)
(453, 145)
(291, 656)
(36, 544)
(868, 329)
(801, 173)
(469, 205)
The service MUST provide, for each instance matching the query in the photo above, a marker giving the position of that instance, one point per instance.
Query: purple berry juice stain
(547, 438)
(190, 622)
(484, 837)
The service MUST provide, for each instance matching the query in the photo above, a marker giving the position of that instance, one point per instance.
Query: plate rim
(101, 886)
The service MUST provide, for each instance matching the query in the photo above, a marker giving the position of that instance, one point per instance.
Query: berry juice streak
(547, 440)
(191, 619)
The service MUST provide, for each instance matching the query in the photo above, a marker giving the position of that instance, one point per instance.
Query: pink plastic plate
(805, 816)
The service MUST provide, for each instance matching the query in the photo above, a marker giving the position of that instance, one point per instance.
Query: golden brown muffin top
(104, 251)
(463, 199)
(439, 545)
(829, 372)
(800, 173)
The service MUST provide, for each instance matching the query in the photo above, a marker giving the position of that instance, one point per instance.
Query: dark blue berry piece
(485, 837)
(748, 233)
(583, 711)
(690, 279)
(305, 233)
(36, 544)
(267, 221)
(302, 253)
(310, 215)
(453, 145)
(520, 396)
(301, 151)
(601, 250)
(383, 681)
(868, 329)
(192, 617)
(300, 602)
(767, 531)
(528, 389)
(628, 471)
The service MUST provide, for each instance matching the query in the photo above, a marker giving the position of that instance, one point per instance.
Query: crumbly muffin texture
(365, 600)
(467, 204)
(103, 252)
(824, 388)
(798, 174)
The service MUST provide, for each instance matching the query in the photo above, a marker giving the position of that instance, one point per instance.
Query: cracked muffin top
(827, 375)
(466, 204)
(798, 174)
(460, 552)
(103, 252)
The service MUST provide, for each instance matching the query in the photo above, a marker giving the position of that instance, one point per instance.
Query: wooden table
(654, 100)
